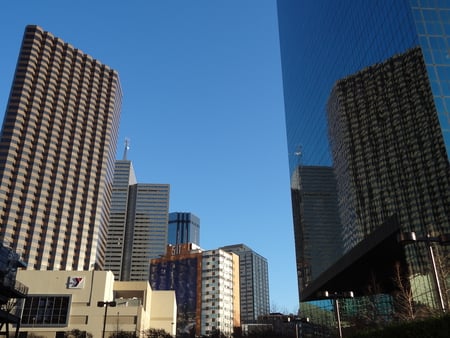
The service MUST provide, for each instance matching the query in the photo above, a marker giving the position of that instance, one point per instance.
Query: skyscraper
(386, 167)
(58, 145)
(184, 227)
(317, 222)
(138, 224)
(324, 41)
(324, 44)
(253, 281)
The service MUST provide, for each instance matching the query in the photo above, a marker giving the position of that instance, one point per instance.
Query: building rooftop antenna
(127, 147)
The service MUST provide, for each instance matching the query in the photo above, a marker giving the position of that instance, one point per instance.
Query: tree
(156, 333)
(123, 334)
(442, 254)
(75, 333)
(403, 295)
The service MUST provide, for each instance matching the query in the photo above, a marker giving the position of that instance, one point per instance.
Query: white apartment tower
(220, 292)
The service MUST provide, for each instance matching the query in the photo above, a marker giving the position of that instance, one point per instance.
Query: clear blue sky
(202, 106)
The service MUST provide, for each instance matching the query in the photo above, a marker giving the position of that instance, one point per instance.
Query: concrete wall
(132, 313)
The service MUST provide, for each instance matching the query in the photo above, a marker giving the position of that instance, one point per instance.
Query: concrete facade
(59, 142)
(137, 307)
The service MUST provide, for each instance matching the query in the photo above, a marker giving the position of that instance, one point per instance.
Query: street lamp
(105, 305)
(298, 321)
(406, 238)
(335, 297)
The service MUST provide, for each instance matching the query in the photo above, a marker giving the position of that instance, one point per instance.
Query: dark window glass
(46, 311)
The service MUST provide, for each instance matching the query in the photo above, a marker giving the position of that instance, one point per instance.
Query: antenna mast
(127, 147)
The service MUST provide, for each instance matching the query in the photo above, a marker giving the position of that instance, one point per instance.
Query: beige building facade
(61, 301)
(58, 144)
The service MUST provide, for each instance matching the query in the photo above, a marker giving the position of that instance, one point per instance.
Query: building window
(46, 311)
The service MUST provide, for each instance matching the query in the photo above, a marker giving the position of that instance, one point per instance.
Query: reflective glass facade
(387, 167)
(317, 222)
(184, 227)
(57, 151)
(325, 43)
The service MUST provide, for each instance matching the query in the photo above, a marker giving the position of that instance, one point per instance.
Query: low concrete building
(91, 301)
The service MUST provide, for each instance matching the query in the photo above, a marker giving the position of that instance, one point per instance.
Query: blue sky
(202, 107)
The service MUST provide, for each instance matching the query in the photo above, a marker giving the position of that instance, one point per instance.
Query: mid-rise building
(184, 227)
(58, 144)
(137, 226)
(220, 292)
(206, 284)
(253, 282)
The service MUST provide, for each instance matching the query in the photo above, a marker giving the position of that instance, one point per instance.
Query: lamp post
(335, 298)
(105, 305)
(406, 238)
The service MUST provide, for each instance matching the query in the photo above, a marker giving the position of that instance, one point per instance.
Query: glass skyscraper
(184, 227)
(324, 41)
(316, 200)
(325, 47)
(58, 145)
(137, 225)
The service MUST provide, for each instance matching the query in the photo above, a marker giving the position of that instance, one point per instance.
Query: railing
(13, 291)
(21, 288)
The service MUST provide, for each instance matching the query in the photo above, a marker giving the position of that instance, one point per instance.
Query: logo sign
(75, 283)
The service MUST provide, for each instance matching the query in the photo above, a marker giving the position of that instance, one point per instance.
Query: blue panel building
(184, 227)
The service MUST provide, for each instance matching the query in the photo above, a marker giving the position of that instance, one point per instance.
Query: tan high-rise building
(57, 152)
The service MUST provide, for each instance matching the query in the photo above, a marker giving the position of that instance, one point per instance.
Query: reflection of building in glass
(184, 227)
(137, 225)
(329, 46)
(206, 284)
(389, 155)
(254, 282)
(58, 144)
(316, 221)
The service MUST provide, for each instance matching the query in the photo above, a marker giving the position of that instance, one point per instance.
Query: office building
(58, 145)
(61, 301)
(206, 284)
(253, 282)
(316, 221)
(184, 228)
(386, 167)
(137, 226)
(327, 46)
